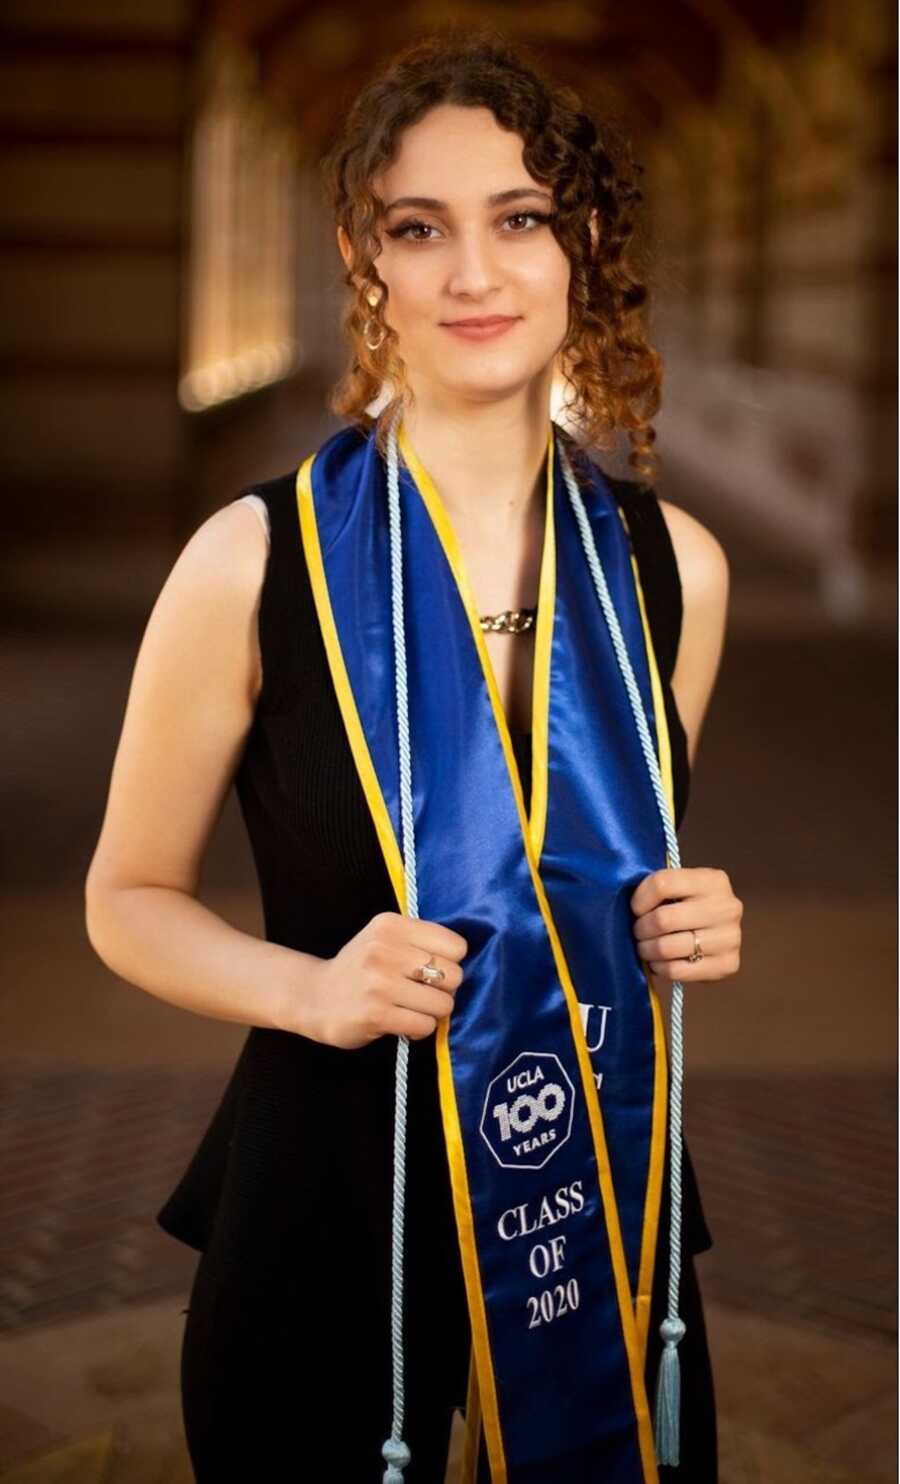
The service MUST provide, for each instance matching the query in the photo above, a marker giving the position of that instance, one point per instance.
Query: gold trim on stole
(394, 861)
(652, 1205)
(493, 1438)
(653, 1197)
(533, 831)
(356, 736)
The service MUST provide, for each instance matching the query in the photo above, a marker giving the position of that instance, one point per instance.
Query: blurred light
(241, 300)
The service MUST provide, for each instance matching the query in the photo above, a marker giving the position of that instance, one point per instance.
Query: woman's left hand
(695, 897)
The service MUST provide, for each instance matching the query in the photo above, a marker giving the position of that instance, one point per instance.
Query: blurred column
(779, 399)
(93, 106)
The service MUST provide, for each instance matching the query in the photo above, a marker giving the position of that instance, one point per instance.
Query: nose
(474, 272)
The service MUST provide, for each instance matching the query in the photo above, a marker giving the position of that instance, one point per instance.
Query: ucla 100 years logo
(528, 1111)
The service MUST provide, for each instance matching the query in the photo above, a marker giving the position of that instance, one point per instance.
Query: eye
(413, 225)
(523, 216)
(415, 230)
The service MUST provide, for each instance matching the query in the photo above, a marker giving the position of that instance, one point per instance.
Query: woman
(338, 1315)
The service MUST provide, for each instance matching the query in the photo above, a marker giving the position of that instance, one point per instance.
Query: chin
(492, 383)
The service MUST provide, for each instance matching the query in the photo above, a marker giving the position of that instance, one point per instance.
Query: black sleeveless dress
(286, 1356)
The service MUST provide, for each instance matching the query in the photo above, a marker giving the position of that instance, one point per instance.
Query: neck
(487, 459)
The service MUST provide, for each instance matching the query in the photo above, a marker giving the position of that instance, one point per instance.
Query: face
(477, 283)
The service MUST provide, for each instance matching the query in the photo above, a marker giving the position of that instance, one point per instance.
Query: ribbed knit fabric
(294, 1172)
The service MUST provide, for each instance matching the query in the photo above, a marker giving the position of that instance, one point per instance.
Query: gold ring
(695, 956)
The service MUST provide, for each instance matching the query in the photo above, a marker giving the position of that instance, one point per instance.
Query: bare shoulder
(190, 705)
(702, 560)
(229, 547)
(217, 581)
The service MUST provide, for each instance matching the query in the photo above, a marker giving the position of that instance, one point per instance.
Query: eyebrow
(431, 203)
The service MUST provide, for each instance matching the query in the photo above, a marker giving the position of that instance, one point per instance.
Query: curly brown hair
(612, 373)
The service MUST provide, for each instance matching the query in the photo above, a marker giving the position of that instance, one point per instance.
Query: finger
(669, 881)
(674, 881)
(711, 966)
(407, 962)
(676, 917)
(427, 999)
(401, 1022)
(678, 945)
(434, 937)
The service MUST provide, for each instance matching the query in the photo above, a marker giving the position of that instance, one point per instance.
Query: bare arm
(190, 705)
(704, 572)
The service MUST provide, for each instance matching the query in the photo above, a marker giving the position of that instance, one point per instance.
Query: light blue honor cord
(668, 1386)
(395, 1451)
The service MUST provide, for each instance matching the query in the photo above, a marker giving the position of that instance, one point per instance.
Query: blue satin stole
(552, 1067)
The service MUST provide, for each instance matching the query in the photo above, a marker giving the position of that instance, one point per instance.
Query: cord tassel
(668, 1394)
(397, 1455)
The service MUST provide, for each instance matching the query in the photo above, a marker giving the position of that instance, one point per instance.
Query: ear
(344, 246)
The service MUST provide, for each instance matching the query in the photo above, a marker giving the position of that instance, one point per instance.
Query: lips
(488, 319)
(485, 327)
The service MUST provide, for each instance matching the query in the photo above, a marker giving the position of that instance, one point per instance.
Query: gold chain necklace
(510, 621)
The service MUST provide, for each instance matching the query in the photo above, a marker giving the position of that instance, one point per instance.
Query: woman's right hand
(365, 991)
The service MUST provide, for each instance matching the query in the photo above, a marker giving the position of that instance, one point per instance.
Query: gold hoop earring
(367, 333)
(373, 299)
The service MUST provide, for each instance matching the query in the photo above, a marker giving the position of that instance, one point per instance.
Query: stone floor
(790, 1094)
(796, 1406)
(799, 1285)
(90, 1152)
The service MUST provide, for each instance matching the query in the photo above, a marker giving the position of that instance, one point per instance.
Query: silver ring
(429, 973)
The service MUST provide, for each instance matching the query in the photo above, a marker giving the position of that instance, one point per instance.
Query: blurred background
(171, 294)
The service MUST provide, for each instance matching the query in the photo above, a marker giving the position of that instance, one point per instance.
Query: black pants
(276, 1386)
